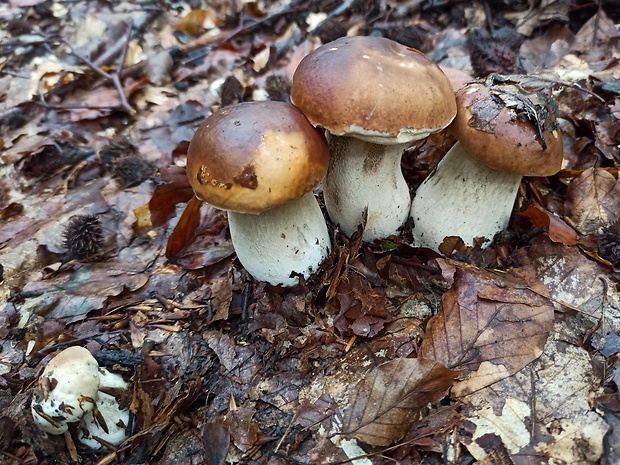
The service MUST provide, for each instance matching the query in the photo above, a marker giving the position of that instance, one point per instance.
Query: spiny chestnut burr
(278, 88)
(83, 237)
(609, 243)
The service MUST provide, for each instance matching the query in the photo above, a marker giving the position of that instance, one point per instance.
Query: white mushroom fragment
(66, 390)
(372, 96)
(107, 423)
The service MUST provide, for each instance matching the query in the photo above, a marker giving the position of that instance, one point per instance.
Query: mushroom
(66, 390)
(107, 422)
(503, 134)
(261, 161)
(372, 96)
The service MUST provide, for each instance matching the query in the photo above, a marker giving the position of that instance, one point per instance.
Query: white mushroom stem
(273, 244)
(363, 174)
(463, 197)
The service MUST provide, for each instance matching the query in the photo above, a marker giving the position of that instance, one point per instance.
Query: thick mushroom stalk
(290, 238)
(465, 198)
(363, 174)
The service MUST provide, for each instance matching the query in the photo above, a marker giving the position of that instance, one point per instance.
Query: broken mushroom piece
(66, 391)
(503, 134)
(107, 422)
(261, 161)
(373, 96)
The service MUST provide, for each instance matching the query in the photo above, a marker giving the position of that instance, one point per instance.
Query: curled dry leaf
(593, 200)
(557, 229)
(198, 240)
(174, 190)
(488, 316)
(384, 404)
(185, 229)
(363, 309)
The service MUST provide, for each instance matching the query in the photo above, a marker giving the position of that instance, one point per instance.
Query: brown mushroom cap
(255, 156)
(373, 88)
(494, 134)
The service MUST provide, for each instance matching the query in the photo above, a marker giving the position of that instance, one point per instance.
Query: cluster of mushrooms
(370, 97)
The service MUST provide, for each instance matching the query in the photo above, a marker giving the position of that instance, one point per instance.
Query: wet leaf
(389, 398)
(593, 200)
(216, 440)
(488, 317)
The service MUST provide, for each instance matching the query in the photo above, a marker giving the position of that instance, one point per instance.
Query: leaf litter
(391, 353)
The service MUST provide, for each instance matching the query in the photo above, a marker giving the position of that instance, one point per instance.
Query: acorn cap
(255, 156)
(496, 135)
(373, 88)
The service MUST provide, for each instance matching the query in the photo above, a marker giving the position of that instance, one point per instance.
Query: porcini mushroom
(66, 390)
(372, 96)
(261, 161)
(503, 134)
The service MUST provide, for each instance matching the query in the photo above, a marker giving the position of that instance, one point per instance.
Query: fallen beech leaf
(576, 281)
(176, 189)
(216, 440)
(558, 230)
(243, 428)
(488, 316)
(73, 296)
(593, 200)
(185, 229)
(595, 38)
(540, 412)
(363, 310)
(384, 404)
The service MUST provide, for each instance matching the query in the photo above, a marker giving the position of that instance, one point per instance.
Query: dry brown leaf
(216, 440)
(363, 309)
(593, 200)
(541, 412)
(384, 404)
(558, 230)
(166, 196)
(185, 229)
(576, 282)
(597, 37)
(243, 428)
(488, 316)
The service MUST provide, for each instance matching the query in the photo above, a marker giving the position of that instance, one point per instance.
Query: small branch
(114, 77)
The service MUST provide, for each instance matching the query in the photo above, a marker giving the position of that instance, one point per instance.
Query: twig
(214, 41)
(114, 77)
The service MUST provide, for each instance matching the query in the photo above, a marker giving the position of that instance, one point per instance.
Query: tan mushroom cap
(255, 156)
(374, 89)
(496, 136)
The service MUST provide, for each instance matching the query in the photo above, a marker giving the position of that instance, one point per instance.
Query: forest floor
(391, 354)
